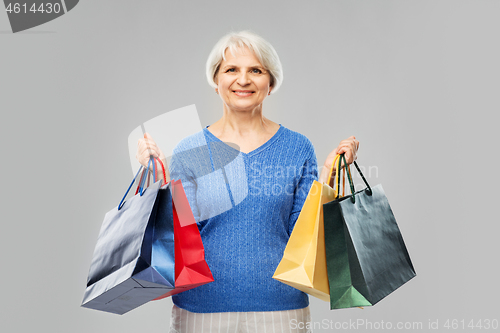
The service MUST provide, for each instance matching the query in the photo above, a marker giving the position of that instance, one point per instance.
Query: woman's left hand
(349, 147)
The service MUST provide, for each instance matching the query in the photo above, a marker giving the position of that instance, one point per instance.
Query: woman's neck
(241, 123)
(247, 129)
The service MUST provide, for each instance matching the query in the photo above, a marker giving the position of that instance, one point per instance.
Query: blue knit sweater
(246, 206)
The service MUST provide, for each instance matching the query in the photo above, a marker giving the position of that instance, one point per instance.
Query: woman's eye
(230, 70)
(256, 71)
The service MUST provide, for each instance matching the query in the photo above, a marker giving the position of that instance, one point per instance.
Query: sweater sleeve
(308, 176)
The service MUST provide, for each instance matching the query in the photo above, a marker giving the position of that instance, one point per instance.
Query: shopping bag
(133, 261)
(191, 269)
(366, 256)
(303, 265)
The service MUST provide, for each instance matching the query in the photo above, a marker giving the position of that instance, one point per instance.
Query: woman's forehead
(240, 53)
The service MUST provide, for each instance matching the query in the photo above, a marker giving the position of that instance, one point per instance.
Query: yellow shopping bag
(303, 265)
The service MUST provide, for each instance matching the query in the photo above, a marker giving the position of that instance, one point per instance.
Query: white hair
(262, 49)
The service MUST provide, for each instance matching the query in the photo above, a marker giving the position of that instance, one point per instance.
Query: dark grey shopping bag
(133, 261)
(365, 253)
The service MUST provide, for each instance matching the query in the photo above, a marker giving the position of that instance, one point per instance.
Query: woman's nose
(243, 79)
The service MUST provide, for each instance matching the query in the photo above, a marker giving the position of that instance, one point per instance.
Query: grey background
(417, 82)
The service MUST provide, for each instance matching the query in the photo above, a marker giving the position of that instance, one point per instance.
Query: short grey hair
(262, 49)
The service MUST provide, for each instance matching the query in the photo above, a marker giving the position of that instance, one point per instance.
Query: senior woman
(245, 208)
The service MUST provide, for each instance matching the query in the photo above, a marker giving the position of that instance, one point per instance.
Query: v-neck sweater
(246, 205)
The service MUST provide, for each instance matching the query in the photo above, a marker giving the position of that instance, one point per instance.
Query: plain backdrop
(417, 83)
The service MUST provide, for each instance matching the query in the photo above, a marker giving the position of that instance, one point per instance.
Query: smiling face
(242, 82)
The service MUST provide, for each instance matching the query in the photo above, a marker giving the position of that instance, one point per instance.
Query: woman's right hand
(147, 147)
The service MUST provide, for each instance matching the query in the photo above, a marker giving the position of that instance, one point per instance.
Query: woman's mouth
(243, 93)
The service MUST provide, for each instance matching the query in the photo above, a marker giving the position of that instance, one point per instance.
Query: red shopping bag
(191, 269)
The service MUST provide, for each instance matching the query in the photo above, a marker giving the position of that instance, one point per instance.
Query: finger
(151, 145)
(147, 145)
(149, 142)
(149, 152)
(340, 151)
(348, 153)
(144, 155)
(146, 148)
(348, 147)
(142, 143)
(348, 157)
(349, 141)
(145, 160)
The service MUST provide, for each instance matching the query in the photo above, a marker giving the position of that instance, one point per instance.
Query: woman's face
(242, 81)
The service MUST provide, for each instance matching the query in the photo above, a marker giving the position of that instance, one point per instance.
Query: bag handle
(351, 184)
(140, 181)
(154, 171)
(337, 175)
(363, 177)
(163, 169)
(353, 199)
(133, 181)
(140, 188)
(337, 171)
(331, 169)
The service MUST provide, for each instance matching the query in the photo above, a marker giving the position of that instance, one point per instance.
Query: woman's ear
(216, 75)
(271, 85)
(215, 81)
